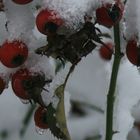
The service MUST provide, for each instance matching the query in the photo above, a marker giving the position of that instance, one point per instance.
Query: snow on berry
(13, 54)
(47, 21)
(109, 14)
(73, 11)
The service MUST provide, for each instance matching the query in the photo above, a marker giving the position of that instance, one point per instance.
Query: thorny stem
(113, 81)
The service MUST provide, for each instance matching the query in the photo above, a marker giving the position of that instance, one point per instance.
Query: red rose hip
(22, 1)
(106, 51)
(13, 54)
(109, 14)
(133, 52)
(48, 21)
(40, 118)
(18, 83)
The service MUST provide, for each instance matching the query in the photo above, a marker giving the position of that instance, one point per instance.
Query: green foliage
(60, 113)
(52, 123)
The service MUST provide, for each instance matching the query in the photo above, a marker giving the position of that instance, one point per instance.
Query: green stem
(27, 120)
(113, 81)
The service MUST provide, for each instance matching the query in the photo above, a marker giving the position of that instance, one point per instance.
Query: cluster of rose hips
(110, 14)
(24, 82)
(13, 54)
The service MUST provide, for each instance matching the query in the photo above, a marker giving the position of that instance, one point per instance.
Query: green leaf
(60, 113)
(52, 123)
